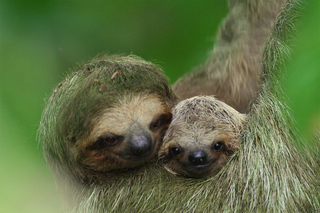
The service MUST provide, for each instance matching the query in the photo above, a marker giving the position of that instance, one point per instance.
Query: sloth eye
(175, 151)
(155, 125)
(218, 146)
(110, 140)
(106, 141)
(159, 121)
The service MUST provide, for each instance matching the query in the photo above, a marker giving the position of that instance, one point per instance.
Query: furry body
(267, 174)
(232, 73)
(203, 134)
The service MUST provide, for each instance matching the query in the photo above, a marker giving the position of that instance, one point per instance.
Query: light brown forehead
(131, 108)
(207, 128)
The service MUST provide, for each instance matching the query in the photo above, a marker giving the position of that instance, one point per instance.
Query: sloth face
(203, 134)
(126, 136)
(199, 154)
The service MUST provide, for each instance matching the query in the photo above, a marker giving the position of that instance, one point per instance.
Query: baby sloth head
(203, 134)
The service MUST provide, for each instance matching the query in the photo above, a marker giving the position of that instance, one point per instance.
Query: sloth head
(109, 115)
(203, 134)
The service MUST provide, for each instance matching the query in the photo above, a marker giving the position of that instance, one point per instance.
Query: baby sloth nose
(198, 158)
(140, 143)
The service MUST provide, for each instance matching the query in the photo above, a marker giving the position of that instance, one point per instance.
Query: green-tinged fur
(267, 174)
(84, 95)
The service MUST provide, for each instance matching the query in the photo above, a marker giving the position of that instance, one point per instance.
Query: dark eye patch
(160, 121)
(106, 140)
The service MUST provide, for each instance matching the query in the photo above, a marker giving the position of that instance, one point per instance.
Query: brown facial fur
(109, 146)
(203, 134)
(106, 117)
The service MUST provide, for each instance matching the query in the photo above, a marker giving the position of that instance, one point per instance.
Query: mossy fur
(267, 174)
(232, 71)
(84, 95)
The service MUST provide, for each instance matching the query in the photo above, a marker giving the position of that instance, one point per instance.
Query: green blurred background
(41, 40)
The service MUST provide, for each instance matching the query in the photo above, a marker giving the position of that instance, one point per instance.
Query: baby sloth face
(203, 134)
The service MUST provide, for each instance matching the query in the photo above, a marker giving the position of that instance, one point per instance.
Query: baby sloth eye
(218, 146)
(175, 151)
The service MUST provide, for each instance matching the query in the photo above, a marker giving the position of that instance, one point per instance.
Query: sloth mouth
(197, 170)
(141, 157)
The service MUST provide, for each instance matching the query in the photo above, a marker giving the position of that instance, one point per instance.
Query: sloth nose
(198, 158)
(140, 143)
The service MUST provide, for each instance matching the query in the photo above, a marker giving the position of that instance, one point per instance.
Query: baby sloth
(109, 115)
(203, 134)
